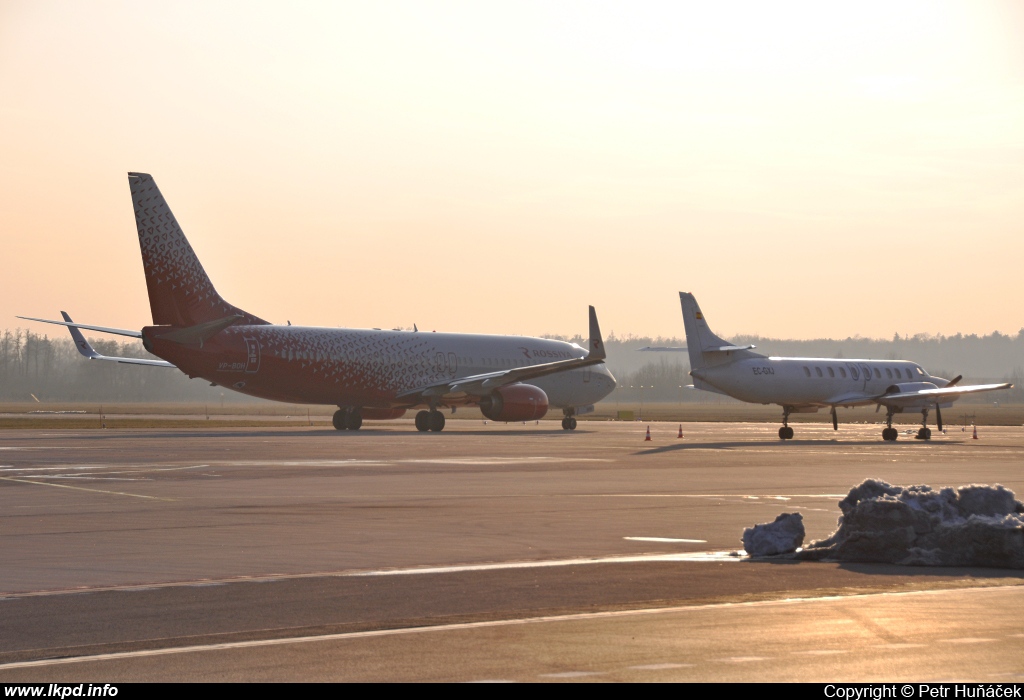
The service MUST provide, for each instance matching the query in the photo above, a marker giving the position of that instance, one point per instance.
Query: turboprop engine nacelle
(907, 387)
(515, 402)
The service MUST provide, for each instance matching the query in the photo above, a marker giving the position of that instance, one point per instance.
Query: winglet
(80, 342)
(596, 341)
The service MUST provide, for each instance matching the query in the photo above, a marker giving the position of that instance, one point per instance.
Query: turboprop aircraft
(367, 373)
(806, 384)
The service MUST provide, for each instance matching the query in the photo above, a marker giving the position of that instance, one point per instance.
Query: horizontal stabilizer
(98, 329)
(729, 348)
(651, 348)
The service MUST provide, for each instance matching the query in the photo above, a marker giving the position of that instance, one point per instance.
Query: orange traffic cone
(680, 431)
(975, 436)
(648, 438)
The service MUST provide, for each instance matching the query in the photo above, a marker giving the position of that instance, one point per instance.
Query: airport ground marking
(82, 488)
(664, 539)
(459, 626)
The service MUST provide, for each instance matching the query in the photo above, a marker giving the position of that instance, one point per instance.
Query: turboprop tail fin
(705, 347)
(180, 292)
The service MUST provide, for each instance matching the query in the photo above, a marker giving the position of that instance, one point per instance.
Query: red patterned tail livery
(180, 292)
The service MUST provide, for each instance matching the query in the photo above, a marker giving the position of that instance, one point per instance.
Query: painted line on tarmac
(664, 539)
(402, 631)
(777, 497)
(82, 488)
(579, 561)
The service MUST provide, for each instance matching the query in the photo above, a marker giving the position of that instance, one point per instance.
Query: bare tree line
(35, 367)
(51, 369)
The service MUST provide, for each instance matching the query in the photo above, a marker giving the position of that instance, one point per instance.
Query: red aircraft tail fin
(180, 293)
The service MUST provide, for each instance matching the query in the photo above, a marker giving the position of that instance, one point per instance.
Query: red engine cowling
(515, 402)
(382, 413)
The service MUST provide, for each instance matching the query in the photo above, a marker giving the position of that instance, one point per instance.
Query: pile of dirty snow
(974, 525)
(779, 537)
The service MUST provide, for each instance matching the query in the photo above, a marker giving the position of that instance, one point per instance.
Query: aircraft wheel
(923, 434)
(569, 423)
(339, 420)
(890, 434)
(436, 421)
(785, 433)
(565, 423)
(423, 421)
(354, 420)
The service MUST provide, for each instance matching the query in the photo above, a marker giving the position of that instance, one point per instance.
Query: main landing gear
(924, 433)
(347, 419)
(785, 432)
(890, 433)
(569, 421)
(432, 420)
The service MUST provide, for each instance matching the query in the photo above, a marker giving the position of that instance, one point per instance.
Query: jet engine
(515, 402)
(382, 413)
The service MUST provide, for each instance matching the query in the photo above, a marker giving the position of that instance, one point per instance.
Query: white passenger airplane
(806, 384)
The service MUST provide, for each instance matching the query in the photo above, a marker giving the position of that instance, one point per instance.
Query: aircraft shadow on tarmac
(945, 571)
(884, 569)
(733, 444)
(291, 432)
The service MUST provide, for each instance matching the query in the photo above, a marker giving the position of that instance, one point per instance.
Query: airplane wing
(852, 398)
(482, 384)
(88, 351)
(945, 395)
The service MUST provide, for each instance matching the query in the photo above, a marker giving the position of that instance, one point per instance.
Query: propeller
(954, 380)
(835, 419)
(938, 413)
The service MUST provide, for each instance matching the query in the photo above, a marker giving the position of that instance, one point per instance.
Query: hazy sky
(807, 169)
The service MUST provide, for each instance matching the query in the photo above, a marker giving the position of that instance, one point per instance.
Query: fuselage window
(831, 373)
(909, 375)
(854, 373)
(878, 373)
(920, 371)
(818, 370)
(842, 372)
(807, 371)
(888, 373)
